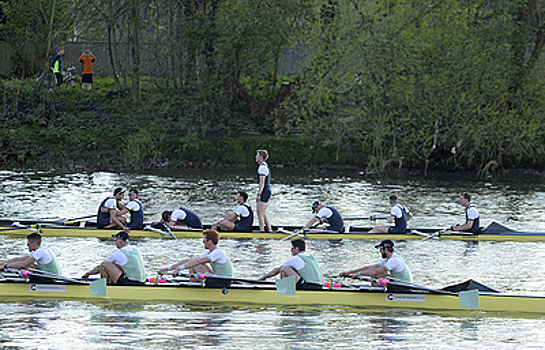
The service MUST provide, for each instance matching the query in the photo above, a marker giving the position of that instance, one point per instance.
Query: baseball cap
(385, 244)
(314, 206)
(121, 235)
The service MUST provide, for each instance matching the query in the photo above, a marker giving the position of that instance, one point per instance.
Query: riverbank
(70, 129)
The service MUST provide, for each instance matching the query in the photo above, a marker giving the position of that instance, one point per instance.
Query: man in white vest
(124, 267)
(303, 266)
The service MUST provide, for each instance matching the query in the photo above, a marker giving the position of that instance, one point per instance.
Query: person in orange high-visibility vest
(87, 59)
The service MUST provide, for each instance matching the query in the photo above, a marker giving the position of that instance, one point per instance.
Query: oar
(38, 229)
(425, 235)
(468, 299)
(301, 234)
(202, 276)
(167, 231)
(44, 274)
(75, 220)
(370, 218)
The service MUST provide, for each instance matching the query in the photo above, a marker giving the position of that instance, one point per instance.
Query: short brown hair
(263, 153)
(35, 237)
(466, 195)
(212, 235)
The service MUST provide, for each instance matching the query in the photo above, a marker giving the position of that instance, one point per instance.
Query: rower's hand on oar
(85, 277)
(347, 274)
(164, 270)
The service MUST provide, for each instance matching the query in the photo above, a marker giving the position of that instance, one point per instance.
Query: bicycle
(48, 80)
(68, 77)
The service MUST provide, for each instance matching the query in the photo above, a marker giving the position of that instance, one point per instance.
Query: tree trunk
(111, 40)
(135, 24)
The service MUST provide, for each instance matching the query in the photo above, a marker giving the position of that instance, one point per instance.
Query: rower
(241, 220)
(328, 214)
(303, 266)
(392, 265)
(180, 219)
(135, 210)
(124, 267)
(472, 223)
(399, 215)
(214, 261)
(108, 215)
(39, 258)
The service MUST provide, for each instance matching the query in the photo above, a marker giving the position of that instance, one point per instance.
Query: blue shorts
(265, 195)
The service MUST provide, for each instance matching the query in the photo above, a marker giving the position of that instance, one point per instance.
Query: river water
(517, 267)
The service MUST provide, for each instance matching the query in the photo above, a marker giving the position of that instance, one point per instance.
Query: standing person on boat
(241, 220)
(325, 213)
(214, 261)
(473, 221)
(135, 210)
(302, 266)
(180, 219)
(124, 267)
(399, 215)
(264, 192)
(392, 265)
(109, 212)
(39, 258)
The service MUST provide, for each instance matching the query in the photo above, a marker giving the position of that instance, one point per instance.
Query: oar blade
(469, 299)
(285, 285)
(98, 287)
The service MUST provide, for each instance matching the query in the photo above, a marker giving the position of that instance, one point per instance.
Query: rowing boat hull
(356, 235)
(251, 295)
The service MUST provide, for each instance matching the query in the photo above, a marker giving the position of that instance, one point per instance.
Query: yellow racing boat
(428, 300)
(84, 229)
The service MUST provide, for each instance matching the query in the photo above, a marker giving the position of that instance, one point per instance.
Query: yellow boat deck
(90, 232)
(491, 303)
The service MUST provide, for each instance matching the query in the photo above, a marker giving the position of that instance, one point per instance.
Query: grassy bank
(103, 130)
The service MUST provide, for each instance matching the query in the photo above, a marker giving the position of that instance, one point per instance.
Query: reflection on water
(105, 325)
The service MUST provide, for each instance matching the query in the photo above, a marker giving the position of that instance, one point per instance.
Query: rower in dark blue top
(241, 220)
(108, 215)
(327, 214)
(473, 221)
(180, 219)
(135, 210)
(399, 216)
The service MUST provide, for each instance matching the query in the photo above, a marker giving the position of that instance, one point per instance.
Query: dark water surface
(517, 267)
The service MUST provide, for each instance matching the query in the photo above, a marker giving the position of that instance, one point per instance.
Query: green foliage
(383, 74)
(386, 85)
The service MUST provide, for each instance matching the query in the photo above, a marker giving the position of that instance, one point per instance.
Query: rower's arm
(231, 217)
(94, 271)
(191, 263)
(19, 263)
(311, 222)
(464, 227)
(271, 273)
(114, 219)
(390, 219)
(370, 270)
(410, 216)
